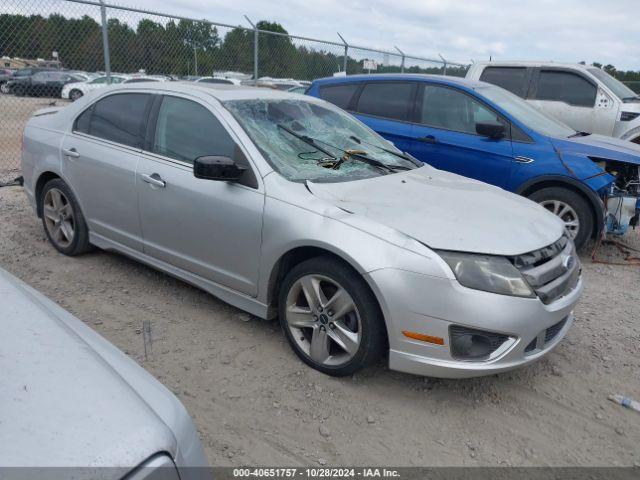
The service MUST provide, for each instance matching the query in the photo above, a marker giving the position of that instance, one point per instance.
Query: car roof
(220, 91)
(533, 63)
(402, 76)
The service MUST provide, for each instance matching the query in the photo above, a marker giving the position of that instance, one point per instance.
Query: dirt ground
(254, 402)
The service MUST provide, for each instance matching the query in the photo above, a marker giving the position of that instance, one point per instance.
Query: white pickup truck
(584, 97)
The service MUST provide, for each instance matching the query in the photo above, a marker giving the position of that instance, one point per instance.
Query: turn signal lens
(423, 338)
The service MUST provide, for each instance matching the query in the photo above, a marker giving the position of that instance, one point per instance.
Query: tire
(62, 219)
(4, 88)
(557, 199)
(75, 94)
(337, 343)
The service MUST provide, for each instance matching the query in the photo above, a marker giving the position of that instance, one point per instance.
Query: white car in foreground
(71, 399)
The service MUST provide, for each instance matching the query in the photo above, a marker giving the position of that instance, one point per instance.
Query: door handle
(521, 159)
(427, 139)
(153, 179)
(70, 152)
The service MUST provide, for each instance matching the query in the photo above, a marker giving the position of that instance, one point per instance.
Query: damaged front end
(612, 169)
(622, 197)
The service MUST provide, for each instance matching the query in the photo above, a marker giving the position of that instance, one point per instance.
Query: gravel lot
(255, 403)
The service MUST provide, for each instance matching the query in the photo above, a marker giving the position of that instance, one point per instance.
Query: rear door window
(387, 99)
(513, 79)
(119, 118)
(339, 95)
(567, 87)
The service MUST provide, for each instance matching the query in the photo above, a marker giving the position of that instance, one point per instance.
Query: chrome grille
(552, 271)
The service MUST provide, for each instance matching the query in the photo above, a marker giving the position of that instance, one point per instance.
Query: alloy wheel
(566, 213)
(58, 217)
(323, 320)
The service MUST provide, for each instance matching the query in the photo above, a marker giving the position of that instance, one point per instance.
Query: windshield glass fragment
(286, 131)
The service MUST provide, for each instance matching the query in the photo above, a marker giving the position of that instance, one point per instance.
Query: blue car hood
(599, 146)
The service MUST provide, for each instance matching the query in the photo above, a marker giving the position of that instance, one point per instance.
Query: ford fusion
(285, 206)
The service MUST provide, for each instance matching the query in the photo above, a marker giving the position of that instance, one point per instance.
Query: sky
(558, 30)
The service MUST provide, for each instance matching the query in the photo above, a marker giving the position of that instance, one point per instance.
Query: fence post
(346, 53)
(444, 62)
(105, 41)
(403, 56)
(255, 50)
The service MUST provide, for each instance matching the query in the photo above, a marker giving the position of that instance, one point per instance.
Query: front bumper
(430, 305)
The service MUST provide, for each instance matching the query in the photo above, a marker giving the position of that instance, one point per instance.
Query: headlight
(488, 273)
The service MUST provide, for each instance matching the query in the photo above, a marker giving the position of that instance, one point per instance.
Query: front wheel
(330, 317)
(4, 88)
(572, 208)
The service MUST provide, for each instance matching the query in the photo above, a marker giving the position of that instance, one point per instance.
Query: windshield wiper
(308, 140)
(347, 153)
(403, 155)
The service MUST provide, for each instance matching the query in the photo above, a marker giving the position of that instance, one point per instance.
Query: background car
(71, 399)
(147, 78)
(485, 132)
(42, 83)
(584, 97)
(5, 75)
(283, 204)
(75, 90)
(298, 89)
(221, 80)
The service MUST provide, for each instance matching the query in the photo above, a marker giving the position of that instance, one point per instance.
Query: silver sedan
(288, 207)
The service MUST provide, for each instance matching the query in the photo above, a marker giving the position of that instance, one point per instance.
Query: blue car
(485, 132)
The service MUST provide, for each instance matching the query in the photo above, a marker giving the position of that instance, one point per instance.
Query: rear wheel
(75, 95)
(4, 88)
(330, 317)
(572, 208)
(62, 219)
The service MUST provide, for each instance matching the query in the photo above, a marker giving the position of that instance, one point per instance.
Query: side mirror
(494, 130)
(213, 167)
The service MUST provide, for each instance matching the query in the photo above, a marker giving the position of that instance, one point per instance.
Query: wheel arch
(592, 198)
(40, 183)
(299, 254)
(290, 259)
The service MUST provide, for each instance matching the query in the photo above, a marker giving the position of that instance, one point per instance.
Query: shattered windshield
(303, 140)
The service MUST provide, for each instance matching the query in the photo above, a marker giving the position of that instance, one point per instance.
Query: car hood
(446, 211)
(62, 403)
(600, 146)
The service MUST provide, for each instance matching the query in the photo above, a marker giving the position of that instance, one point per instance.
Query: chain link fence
(52, 51)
